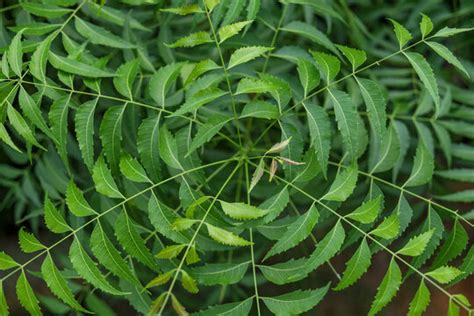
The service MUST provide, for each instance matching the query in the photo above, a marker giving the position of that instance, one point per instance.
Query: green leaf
(356, 266)
(200, 68)
(5, 137)
(444, 274)
(242, 211)
(27, 296)
(192, 40)
(230, 30)
(229, 309)
(109, 256)
(308, 74)
(220, 273)
(100, 36)
(225, 237)
(77, 68)
(444, 52)
(416, 245)
(298, 231)
(84, 126)
(76, 202)
(3, 301)
(39, 59)
(132, 169)
(296, 302)
(389, 152)
(420, 301)
(246, 54)
(310, 32)
(376, 106)
(45, 10)
(20, 125)
(148, 146)
(131, 240)
(125, 76)
(169, 148)
(32, 111)
(87, 269)
(206, 132)
(184, 10)
(58, 118)
(160, 279)
(426, 26)
(466, 196)
(58, 285)
(368, 211)
(188, 283)
(211, 4)
(449, 31)
(170, 252)
(389, 228)
(162, 81)
(15, 54)
(199, 99)
(54, 219)
(423, 167)
(110, 133)
(355, 56)
(460, 174)
(452, 247)
(347, 120)
(250, 85)
(328, 65)
(115, 16)
(387, 289)
(344, 184)
(402, 34)
(260, 109)
(425, 73)
(6, 262)
(104, 181)
(185, 223)
(28, 242)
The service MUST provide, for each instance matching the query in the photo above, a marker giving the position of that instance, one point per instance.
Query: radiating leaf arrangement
(188, 157)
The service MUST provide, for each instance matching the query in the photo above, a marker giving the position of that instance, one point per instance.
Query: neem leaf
(242, 211)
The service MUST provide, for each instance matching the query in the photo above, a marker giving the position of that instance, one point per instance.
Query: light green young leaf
(170, 252)
(425, 73)
(39, 59)
(376, 106)
(444, 274)
(87, 269)
(160, 279)
(169, 148)
(389, 152)
(220, 273)
(32, 111)
(54, 219)
(296, 302)
(76, 202)
(402, 34)
(367, 212)
(192, 40)
(199, 99)
(84, 126)
(423, 167)
(347, 121)
(308, 74)
(77, 68)
(15, 54)
(389, 228)
(131, 241)
(356, 266)
(298, 231)
(132, 169)
(242, 211)
(100, 36)
(106, 253)
(185, 223)
(188, 283)
(449, 31)
(230, 30)
(110, 133)
(27, 296)
(162, 81)
(355, 56)
(104, 181)
(251, 85)
(125, 76)
(343, 185)
(426, 26)
(387, 289)
(416, 245)
(45, 10)
(310, 32)
(211, 4)
(20, 125)
(184, 10)
(225, 237)
(260, 109)
(6, 262)
(246, 54)
(58, 285)
(328, 65)
(420, 301)
(444, 52)
(28, 242)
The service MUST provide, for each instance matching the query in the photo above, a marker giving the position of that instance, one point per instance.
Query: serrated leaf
(169, 148)
(344, 184)
(54, 219)
(402, 34)
(39, 59)
(58, 285)
(27, 296)
(260, 109)
(367, 212)
(87, 269)
(160, 279)
(423, 167)
(225, 237)
(229, 309)
(188, 283)
(199, 99)
(32, 111)
(242, 211)
(420, 301)
(389, 228)
(15, 54)
(200, 68)
(459, 174)
(84, 126)
(257, 174)
(416, 245)
(211, 4)
(308, 74)
(45, 10)
(21, 126)
(220, 273)
(115, 16)
(444, 274)
(296, 302)
(77, 68)
(28, 242)
(5, 137)
(109, 256)
(58, 117)
(132, 169)
(328, 65)
(76, 202)
(465, 196)
(162, 81)
(389, 152)
(170, 252)
(110, 133)
(356, 266)
(192, 40)
(104, 181)
(206, 132)
(184, 223)
(310, 32)
(148, 145)
(452, 247)
(298, 231)
(125, 76)
(184, 10)
(6, 261)
(250, 85)
(4, 309)
(449, 31)
(100, 36)
(444, 52)
(230, 30)
(246, 54)
(376, 106)
(387, 289)
(355, 56)
(426, 26)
